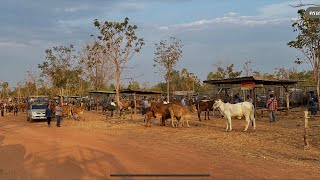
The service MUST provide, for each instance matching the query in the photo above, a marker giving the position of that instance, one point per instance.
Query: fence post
(306, 126)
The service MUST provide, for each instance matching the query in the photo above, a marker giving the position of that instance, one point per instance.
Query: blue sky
(232, 31)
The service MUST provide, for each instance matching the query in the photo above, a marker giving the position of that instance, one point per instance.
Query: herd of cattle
(178, 113)
(182, 113)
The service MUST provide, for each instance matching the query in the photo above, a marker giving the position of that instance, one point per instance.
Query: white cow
(228, 110)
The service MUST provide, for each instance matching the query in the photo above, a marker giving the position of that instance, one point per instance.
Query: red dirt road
(35, 151)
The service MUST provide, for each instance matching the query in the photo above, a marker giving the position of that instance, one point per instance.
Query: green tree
(167, 54)
(4, 89)
(308, 43)
(223, 73)
(59, 67)
(120, 43)
(134, 85)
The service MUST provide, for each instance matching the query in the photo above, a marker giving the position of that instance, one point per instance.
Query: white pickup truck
(36, 111)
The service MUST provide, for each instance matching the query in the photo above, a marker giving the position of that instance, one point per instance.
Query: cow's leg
(181, 122)
(163, 120)
(205, 115)
(247, 122)
(253, 121)
(172, 121)
(208, 115)
(229, 122)
(188, 122)
(199, 115)
(160, 120)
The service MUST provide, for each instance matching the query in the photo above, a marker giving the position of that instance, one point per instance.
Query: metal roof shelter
(255, 82)
(256, 79)
(102, 92)
(139, 92)
(128, 91)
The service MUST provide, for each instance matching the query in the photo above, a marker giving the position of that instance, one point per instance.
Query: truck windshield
(39, 106)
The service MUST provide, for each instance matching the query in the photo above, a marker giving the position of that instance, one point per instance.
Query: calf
(228, 110)
(205, 106)
(181, 112)
(148, 117)
(77, 112)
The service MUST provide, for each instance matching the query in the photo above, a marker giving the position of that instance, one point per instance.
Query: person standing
(49, 114)
(145, 106)
(183, 101)
(165, 101)
(58, 114)
(312, 104)
(249, 99)
(15, 110)
(112, 107)
(272, 106)
(237, 98)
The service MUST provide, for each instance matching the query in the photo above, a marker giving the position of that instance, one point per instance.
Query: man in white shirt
(58, 114)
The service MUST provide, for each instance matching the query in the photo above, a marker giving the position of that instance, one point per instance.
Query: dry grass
(280, 141)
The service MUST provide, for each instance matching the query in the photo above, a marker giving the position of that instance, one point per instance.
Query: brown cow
(205, 106)
(148, 117)
(22, 107)
(161, 111)
(66, 111)
(182, 113)
(77, 112)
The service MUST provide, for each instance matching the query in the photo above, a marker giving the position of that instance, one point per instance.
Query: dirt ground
(97, 147)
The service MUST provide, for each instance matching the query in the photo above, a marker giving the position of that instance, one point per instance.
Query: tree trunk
(318, 91)
(118, 89)
(168, 86)
(61, 96)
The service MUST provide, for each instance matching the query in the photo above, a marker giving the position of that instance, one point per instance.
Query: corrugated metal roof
(256, 79)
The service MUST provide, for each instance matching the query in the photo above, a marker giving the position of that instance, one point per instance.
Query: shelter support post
(305, 136)
(287, 97)
(254, 101)
(135, 103)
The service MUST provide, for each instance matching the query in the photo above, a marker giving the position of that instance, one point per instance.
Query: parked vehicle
(36, 111)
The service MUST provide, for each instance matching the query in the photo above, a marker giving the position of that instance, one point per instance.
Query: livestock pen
(253, 84)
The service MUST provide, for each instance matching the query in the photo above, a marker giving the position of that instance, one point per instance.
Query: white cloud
(75, 9)
(11, 44)
(230, 18)
(283, 9)
(130, 6)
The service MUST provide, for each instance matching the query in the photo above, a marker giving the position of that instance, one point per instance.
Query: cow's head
(217, 103)
(193, 108)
